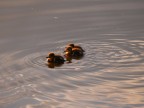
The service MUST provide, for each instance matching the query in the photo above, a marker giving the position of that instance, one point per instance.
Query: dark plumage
(52, 58)
(74, 46)
(73, 53)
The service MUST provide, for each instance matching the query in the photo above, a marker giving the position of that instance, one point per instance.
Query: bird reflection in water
(53, 65)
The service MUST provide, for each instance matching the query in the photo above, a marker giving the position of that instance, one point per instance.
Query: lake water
(110, 75)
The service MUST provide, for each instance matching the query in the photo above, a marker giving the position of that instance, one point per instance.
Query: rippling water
(111, 73)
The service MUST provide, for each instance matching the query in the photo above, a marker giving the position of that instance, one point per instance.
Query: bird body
(52, 58)
(76, 46)
(73, 53)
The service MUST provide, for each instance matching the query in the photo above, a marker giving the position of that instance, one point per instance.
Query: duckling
(52, 58)
(76, 46)
(68, 55)
(75, 53)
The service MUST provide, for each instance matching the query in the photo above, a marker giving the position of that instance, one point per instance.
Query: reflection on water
(53, 65)
(109, 75)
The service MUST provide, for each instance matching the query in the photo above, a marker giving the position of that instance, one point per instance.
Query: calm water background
(111, 74)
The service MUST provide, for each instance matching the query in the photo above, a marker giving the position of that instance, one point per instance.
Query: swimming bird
(76, 46)
(68, 54)
(71, 53)
(57, 59)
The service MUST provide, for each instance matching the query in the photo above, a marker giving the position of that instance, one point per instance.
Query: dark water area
(110, 75)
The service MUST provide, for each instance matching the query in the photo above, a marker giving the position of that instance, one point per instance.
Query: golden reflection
(53, 65)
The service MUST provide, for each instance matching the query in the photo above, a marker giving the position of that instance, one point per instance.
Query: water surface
(110, 74)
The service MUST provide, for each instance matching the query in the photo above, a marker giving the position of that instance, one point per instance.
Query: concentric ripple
(25, 73)
(98, 55)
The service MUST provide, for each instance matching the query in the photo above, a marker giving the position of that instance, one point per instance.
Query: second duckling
(76, 46)
(75, 53)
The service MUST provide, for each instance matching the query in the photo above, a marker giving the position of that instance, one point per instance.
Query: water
(110, 75)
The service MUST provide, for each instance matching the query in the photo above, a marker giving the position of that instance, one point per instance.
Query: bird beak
(47, 57)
